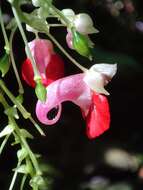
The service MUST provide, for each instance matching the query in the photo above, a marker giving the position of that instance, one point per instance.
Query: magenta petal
(41, 51)
(71, 88)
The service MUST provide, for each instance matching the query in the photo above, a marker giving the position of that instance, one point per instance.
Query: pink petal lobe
(41, 50)
(69, 40)
(98, 118)
(71, 88)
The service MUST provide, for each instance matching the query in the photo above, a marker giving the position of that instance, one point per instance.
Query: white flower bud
(84, 24)
(69, 14)
(99, 75)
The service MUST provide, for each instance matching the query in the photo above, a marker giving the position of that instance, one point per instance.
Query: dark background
(78, 163)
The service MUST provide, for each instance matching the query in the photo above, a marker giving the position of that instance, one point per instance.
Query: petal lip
(41, 50)
(65, 89)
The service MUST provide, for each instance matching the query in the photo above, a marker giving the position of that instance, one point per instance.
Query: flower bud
(84, 24)
(80, 44)
(69, 14)
(40, 91)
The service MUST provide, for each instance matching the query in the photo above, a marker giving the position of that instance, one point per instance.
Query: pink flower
(49, 64)
(94, 106)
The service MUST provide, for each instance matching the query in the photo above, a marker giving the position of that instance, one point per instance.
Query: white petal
(108, 70)
(95, 81)
(84, 24)
(99, 75)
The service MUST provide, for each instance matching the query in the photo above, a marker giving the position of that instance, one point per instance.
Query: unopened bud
(40, 91)
(80, 44)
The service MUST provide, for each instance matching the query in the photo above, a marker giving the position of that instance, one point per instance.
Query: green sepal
(81, 44)
(12, 111)
(19, 98)
(40, 91)
(22, 154)
(4, 64)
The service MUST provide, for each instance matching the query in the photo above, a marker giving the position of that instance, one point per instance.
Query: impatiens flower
(79, 27)
(49, 64)
(81, 22)
(94, 106)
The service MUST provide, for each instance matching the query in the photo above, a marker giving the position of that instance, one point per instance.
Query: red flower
(49, 64)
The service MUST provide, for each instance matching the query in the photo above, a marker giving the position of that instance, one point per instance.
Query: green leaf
(26, 134)
(36, 22)
(4, 64)
(7, 130)
(22, 154)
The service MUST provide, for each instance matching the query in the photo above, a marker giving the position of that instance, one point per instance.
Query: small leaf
(22, 154)
(12, 111)
(7, 130)
(26, 134)
(37, 181)
(4, 64)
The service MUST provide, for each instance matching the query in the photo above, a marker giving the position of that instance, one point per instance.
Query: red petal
(55, 69)
(27, 72)
(98, 118)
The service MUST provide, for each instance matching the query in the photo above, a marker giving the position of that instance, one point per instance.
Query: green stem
(56, 25)
(4, 33)
(36, 73)
(14, 177)
(23, 182)
(32, 157)
(37, 126)
(59, 15)
(65, 52)
(25, 144)
(21, 90)
(23, 111)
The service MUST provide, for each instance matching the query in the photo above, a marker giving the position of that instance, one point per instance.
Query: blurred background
(71, 161)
